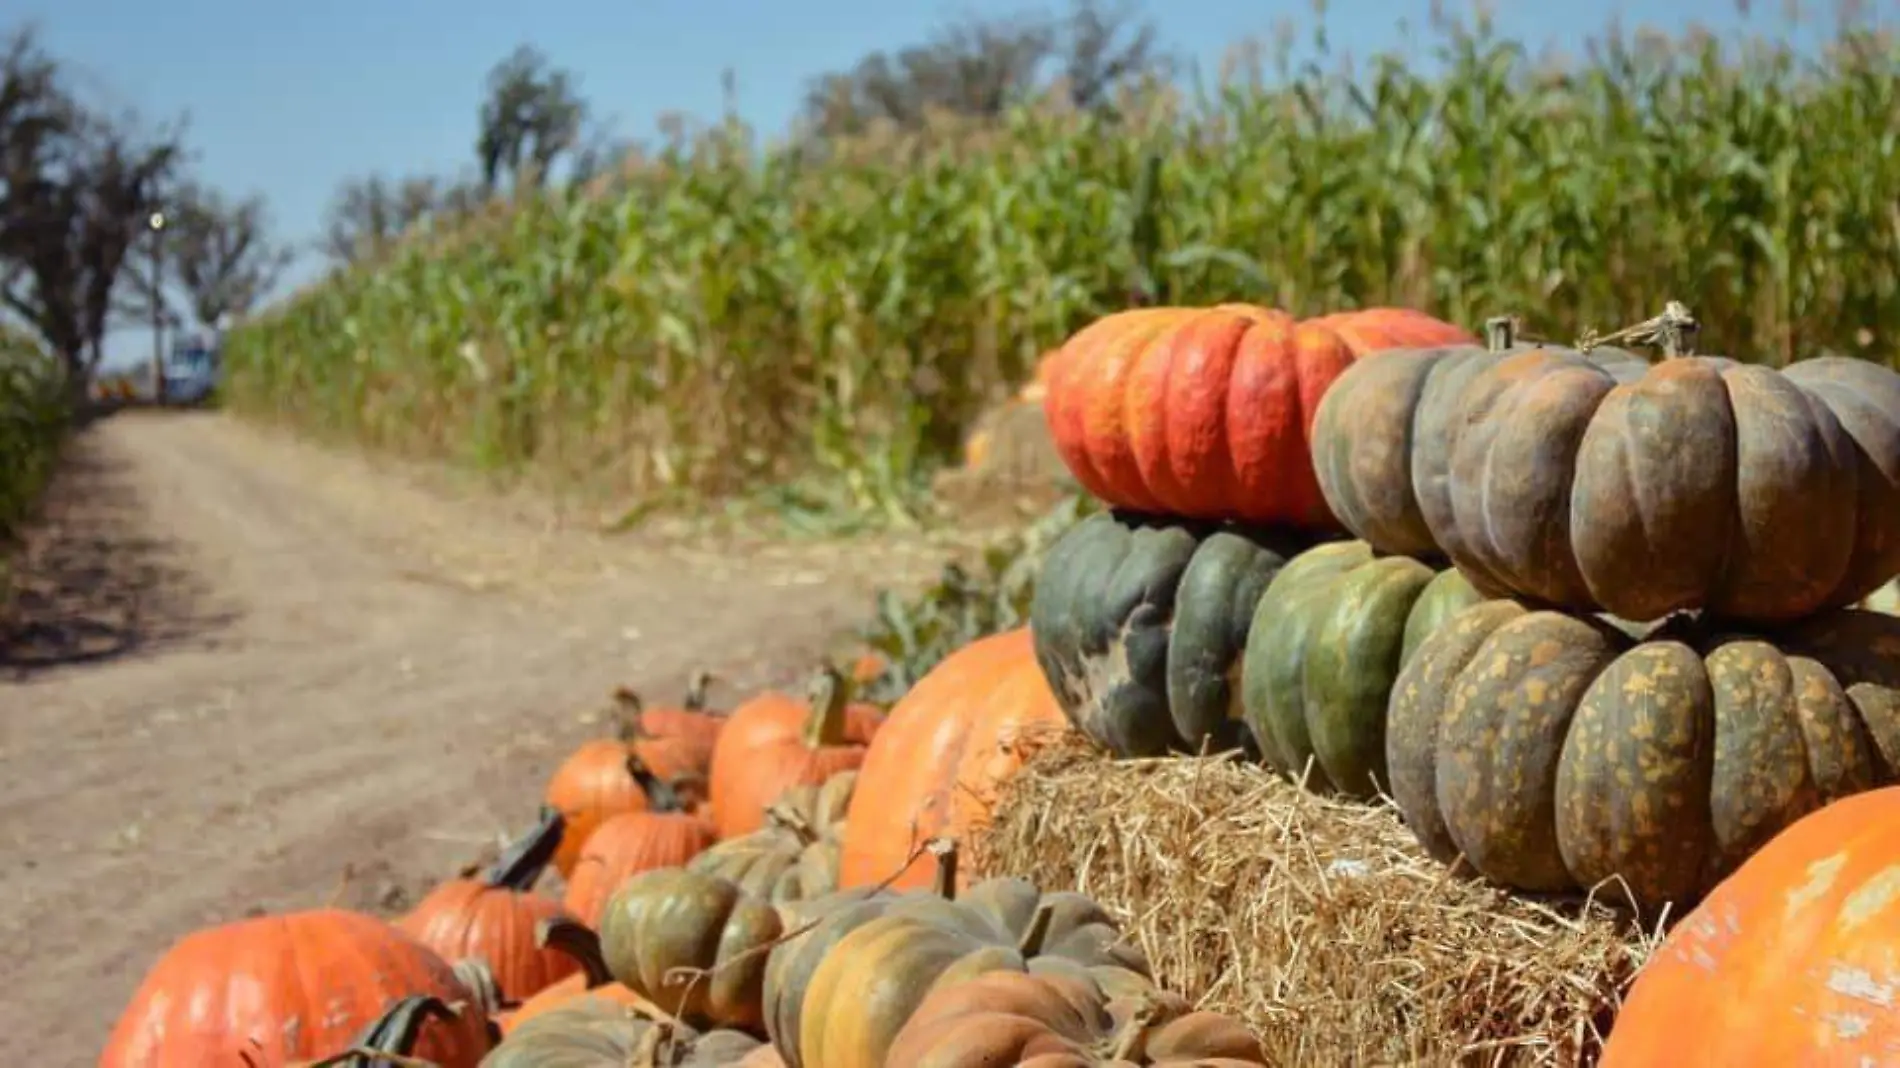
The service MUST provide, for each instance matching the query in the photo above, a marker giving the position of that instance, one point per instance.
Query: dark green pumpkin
(1139, 624)
(595, 1033)
(1556, 753)
(1327, 642)
(668, 921)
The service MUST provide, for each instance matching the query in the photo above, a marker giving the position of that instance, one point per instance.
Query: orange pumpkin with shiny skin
(775, 742)
(599, 779)
(285, 988)
(628, 844)
(1792, 960)
(1206, 413)
(492, 917)
(936, 764)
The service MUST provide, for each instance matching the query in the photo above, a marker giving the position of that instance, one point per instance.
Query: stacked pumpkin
(1593, 632)
(777, 886)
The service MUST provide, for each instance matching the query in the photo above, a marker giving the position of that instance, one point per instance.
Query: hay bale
(1319, 922)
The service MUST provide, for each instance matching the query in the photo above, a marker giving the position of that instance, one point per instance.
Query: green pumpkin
(1556, 753)
(1327, 642)
(1139, 624)
(590, 1032)
(670, 919)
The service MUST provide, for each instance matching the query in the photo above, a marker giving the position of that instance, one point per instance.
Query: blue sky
(289, 100)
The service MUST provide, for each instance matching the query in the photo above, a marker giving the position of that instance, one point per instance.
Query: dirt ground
(247, 666)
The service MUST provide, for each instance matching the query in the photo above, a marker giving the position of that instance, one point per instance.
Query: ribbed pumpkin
(794, 857)
(838, 993)
(599, 779)
(492, 917)
(1140, 622)
(662, 921)
(1065, 1021)
(1602, 483)
(589, 1033)
(938, 761)
(1555, 752)
(774, 742)
(286, 988)
(593, 980)
(1789, 961)
(1327, 642)
(630, 843)
(1204, 412)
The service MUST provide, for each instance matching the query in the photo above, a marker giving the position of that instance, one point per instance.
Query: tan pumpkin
(794, 856)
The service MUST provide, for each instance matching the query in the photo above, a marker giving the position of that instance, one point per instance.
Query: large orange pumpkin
(1206, 413)
(775, 742)
(1792, 960)
(286, 988)
(599, 779)
(935, 765)
(492, 917)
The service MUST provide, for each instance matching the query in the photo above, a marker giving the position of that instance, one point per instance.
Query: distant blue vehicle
(191, 374)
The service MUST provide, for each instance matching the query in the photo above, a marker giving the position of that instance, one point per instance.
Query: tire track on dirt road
(319, 683)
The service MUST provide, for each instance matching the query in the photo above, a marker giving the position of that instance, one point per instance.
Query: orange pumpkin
(1791, 960)
(1206, 413)
(775, 742)
(628, 844)
(284, 988)
(598, 780)
(672, 743)
(493, 917)
(936, 764)
(568, 937)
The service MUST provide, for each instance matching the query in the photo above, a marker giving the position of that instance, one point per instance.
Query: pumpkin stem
(1673, 331)
(662, 796)
(1133, 1036)
(389, 1038)
(945, 850)
(785, 816)
(1030, 944)
(476, 974)
(825, 724)
(696, 687)
(578, 942)
(1500, 333)
(521, 866)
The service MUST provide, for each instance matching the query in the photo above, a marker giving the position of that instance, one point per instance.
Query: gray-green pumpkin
(1557, 753)
(1139, 624)
(1327, 642)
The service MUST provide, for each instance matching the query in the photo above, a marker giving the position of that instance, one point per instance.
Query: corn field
(34, 413)
(727, 315)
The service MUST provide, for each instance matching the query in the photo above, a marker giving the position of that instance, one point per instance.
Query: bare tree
(75, 191)
(982, 66)
(218, 254)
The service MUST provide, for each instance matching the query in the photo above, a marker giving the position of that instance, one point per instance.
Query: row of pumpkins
(1594, 629)
(774, 886)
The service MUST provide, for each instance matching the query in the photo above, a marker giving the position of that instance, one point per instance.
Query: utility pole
(156, 222)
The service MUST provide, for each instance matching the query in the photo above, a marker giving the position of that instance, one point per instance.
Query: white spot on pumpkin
(1874, 897)
(1849, 1026)
(1821, 876)
(1859, 984)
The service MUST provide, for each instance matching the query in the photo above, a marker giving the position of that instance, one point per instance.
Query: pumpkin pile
(778, 885)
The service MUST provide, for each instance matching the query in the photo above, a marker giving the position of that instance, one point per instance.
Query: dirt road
(251, 665)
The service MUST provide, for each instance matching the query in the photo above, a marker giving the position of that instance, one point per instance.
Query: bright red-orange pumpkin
(628, 844)
(285, 988)
(1793, 960)
(775, 742)
(598, 780)
(936, 764)
(1207, 412)
(493, 917)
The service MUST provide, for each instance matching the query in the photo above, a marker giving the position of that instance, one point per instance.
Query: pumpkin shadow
(90, 580)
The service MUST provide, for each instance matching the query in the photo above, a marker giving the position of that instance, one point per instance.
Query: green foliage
(34, 415)
(723, 317)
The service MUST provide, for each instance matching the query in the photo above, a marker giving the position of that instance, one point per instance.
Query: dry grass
(1318, 922)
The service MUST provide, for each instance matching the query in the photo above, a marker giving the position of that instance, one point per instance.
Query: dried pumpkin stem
(652, 1043)
(697, 687)
(825, 724)
(578, 942)
(1673, 331)
(476, 974)
(662, 796)
(1134, 1034)
(788, 818)
(1030, 944)
(945, 883)
(521, 866)
(1500, 333)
